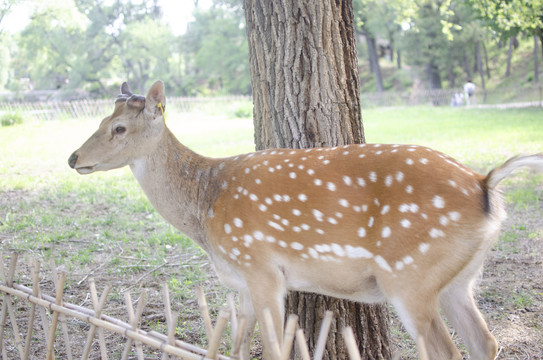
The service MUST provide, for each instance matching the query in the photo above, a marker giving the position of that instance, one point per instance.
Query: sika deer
(369, 223)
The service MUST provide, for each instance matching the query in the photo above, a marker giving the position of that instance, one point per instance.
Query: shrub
(11, 118)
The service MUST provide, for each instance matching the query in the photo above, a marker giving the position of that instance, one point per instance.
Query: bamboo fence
(47, 334)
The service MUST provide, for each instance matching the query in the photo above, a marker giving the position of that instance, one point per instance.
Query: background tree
(304, 76)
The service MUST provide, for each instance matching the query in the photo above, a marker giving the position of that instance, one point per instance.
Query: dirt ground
(509, 293)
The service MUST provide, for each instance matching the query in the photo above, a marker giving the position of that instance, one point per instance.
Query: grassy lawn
(103, 225)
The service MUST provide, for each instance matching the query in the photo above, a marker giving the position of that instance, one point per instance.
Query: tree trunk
(304, 76)
(486, 60)
(509, 56)
(374, 60)
(536, 60)
(466, 66)
(479, 60)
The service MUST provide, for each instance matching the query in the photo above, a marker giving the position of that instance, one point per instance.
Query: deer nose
(72, 160)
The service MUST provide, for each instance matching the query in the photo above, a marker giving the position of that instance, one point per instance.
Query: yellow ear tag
(162, 111)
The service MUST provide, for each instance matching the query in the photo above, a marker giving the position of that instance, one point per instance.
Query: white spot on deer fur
(227, 228)
(224, 185)
(443, 220)
(357, 209)
(301, 167)
(302, 197)
(383, 264)
(385, 209)
(343, 202)
(326, 162)
(282, 244)
(296, 212)
(338, 250)
(409, 189)
(345, 153)
(385, 233)
(389, 180)
(423, 161)
(318, 215)
(270, 239)
(248, 240)
(405, 223)
(296, 229)
(277, 197)
(332, 221)
(323, 248)
(236, 252)
(361, 232)
(423, 247)
(317, 182)
(286, 198)
(253, 197)
(259, 235)
(361, 182)
(338, 215)
(370, 221)
(238, 223)
(276, 226)
(271, 169)
(247, 170)
(296, 246)
(321, 157)
(347, 180)
(399, 265)
(399, 176)
(319, 231)
(292, 175)
(357, 252)
(235, 239)
(376, 202)
(305, 227)
(262, 207)
(407, 260)
(373, 176)
(438, 202)
(408, 207)
(285, 222)
(223, 250)
(454, 215)
(435, 233)
(331, 186)
(310, 171)
(409, 161)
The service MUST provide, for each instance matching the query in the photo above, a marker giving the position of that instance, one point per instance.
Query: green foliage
(11, 118)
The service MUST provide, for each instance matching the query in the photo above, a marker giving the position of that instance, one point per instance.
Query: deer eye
(119, 130)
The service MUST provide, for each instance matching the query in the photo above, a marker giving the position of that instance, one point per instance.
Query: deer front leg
(247, 312)
(267, 290)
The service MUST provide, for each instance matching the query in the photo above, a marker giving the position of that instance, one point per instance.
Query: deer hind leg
(459, 307)
(422, 321)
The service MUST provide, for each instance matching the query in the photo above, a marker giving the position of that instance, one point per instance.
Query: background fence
(48, 110)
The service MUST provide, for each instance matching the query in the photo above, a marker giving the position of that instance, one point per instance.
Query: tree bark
(304, 76)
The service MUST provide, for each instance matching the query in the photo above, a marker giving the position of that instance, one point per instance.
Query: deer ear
(125, 89)
(156, 95)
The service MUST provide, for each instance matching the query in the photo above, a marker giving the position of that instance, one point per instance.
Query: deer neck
(179, 184)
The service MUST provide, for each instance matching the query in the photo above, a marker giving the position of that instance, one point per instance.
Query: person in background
(469, 91)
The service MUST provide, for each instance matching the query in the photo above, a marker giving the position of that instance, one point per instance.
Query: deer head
(126, 135)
